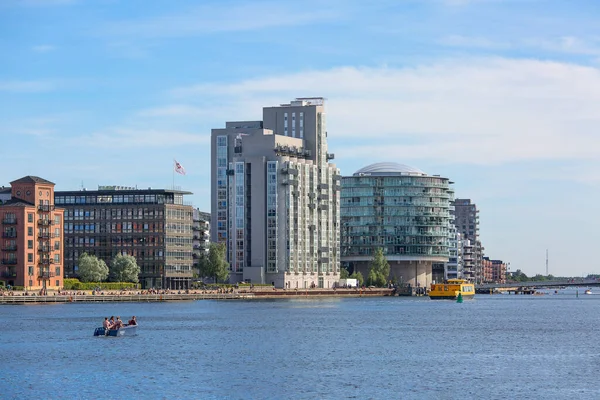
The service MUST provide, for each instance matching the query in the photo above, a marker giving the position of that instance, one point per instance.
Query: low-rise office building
(152, 225)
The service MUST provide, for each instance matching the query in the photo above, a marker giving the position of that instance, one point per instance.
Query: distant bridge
(538, 284)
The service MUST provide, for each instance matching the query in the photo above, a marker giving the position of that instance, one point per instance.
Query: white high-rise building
(275, 197)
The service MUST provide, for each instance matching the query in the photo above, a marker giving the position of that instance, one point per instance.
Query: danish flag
(179, 168)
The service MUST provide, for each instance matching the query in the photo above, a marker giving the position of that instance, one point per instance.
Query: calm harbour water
(365, 348)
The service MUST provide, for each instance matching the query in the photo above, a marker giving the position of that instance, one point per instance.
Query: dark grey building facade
(152, 225)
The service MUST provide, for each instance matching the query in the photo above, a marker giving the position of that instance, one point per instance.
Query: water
(492, 347)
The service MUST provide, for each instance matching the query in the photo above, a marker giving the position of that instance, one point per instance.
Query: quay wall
(240, 295)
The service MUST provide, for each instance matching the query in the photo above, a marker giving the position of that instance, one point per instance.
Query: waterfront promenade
(142, 296)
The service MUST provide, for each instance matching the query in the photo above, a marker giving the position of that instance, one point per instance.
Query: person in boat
(132, 321)
(118, 323)
(106, 323)
(111, 322)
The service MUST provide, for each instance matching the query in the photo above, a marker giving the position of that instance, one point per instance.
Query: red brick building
(31, 246)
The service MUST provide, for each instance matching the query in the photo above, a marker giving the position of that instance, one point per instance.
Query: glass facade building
(401, 210)
(152, 225)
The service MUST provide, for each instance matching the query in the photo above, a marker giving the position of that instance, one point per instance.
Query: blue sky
(500, 96)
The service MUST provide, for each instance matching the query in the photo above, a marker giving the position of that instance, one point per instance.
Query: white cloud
(43, 48)
(41, 3)
(26, 86)
(473, 42)
(223, 18)
(175, 110)
(567, 44)
(478, 111)
(140, 138)
(564, 44)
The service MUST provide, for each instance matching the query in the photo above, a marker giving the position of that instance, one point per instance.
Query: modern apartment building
(275, 197)
(402, 210)
(31, 251)
(466, 216)
(152, 225)
(201, 238)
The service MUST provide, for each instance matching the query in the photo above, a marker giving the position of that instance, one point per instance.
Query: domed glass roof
(389, 168)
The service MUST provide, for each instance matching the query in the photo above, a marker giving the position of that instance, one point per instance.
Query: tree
(216, 264)
(344, 273)
(519, 276)
(124, 268)
(379, 270)
(359, 277)
(91, 269)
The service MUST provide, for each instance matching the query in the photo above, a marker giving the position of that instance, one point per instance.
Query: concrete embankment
(198, 295)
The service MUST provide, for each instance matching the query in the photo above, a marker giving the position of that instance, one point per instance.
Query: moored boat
(128, 330)
(451, 289)
(589, 291)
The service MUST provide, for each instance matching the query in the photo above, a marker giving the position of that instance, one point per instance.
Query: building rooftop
(16, 203)
(32, 179)
(388, 168)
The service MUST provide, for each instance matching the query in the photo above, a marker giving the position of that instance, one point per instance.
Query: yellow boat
(451, 289)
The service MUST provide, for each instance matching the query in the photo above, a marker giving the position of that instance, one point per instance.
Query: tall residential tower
(275, 197)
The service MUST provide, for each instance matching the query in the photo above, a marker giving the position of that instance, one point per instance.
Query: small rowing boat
(128, 330)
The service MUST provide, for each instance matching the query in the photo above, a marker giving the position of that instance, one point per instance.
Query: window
(29, 257)
(29, 231)
(29, 217)
(30, 273)
(57, 282)
(30, 244)
(57, 245)
(56, 258)
(57, 271)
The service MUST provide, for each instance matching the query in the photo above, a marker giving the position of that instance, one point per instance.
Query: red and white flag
(179, 168)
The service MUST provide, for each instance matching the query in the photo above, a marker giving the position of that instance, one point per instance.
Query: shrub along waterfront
(75, 284)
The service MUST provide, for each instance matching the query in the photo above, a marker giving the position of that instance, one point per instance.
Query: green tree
(359, 277)
(519, 276)
(91, 269)
(344, 273)
(124, 268)
(216, 265)
(379, 270)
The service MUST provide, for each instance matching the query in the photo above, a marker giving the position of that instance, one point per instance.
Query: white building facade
(275, 197)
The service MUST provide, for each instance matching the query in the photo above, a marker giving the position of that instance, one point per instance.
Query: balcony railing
(46, 261)
(9, 234)
(10, 248)
(9, 274)
(9, 221)
(44, 249)
(46, 274)
(44, 222)
(45, 208)
(9, 261)
(44, 235)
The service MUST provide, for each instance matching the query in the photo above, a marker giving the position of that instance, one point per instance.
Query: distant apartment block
(201, 235)
(403, 211)
(275, 197)
(31, 250)
(466, 217)
(152, 225)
